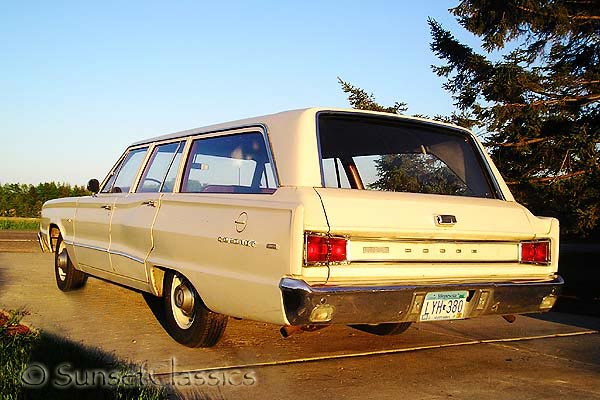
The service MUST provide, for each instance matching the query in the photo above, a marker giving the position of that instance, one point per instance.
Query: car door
(93, 216)
(134, 213)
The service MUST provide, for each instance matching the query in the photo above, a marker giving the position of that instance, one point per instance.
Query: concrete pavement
(544, 356)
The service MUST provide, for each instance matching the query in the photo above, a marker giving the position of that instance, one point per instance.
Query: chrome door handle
(150, 203)
(107, 207)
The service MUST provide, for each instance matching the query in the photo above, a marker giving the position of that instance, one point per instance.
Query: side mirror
(93, 186)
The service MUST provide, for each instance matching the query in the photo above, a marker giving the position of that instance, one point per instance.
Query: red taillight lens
(535, 252)
(323, 249)
(338, 249)
(317, 248)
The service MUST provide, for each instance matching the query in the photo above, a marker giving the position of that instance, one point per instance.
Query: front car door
(93, 216)
(134, 213)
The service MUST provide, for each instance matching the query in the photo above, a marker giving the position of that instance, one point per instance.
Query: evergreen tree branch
(521, 143)
(576, 99)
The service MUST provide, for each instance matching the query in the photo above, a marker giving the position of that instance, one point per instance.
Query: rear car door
(134, 214)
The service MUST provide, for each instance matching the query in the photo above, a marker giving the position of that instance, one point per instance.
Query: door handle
(150, 203)
(106, 207)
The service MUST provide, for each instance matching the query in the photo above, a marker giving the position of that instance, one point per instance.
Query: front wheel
(383, 329)
(67, 277)
(187, 319)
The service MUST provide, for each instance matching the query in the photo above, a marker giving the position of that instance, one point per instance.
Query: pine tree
(534, 90)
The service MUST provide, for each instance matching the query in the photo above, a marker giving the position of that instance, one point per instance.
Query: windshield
(365, 152)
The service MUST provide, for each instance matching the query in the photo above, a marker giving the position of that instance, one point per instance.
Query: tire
(187, 319)
(67, 277)
(384, 329)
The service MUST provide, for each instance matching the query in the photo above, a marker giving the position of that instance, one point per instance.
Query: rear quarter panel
(196, 235)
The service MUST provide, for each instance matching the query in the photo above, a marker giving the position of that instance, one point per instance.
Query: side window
(124, 175)
(229, 164)
(163, 162)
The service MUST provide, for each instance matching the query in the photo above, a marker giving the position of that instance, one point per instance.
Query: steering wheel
(153, 180)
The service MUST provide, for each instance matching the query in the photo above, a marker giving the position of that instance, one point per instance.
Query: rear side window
(229, 164)
(363, 152)
(124, 175)
(161, 170)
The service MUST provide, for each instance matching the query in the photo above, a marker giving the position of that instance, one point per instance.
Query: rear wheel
(67, 277)
(383, 329)
(187, 319)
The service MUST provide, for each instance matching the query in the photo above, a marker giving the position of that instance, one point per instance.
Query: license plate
(440, 306)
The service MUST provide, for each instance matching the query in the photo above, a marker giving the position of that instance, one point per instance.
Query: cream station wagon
(309, 218)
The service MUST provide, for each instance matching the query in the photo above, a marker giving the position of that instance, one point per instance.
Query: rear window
(362, 152)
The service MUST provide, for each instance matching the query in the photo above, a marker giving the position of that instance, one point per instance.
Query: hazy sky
(80, 82)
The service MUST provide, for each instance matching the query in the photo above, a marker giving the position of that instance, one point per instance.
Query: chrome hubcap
(184, 299)
(182, 302)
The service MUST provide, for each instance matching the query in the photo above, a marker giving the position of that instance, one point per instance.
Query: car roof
(291, 117)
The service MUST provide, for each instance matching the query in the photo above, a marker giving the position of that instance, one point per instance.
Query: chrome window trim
(147, 163)
(112, 171)
(116, 169)
(262, 130)
(192, 136)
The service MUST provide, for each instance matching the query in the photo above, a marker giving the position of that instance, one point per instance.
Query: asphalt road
(550, 356)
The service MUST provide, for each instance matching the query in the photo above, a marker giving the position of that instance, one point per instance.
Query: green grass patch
(19, 224)
(37, 365)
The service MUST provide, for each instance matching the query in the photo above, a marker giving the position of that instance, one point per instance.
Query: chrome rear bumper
(402, 303)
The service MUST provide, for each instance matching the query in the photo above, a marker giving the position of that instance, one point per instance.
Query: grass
(19, 224)
(24, 352)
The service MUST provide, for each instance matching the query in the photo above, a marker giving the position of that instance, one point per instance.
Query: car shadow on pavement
(568, 314)
(156, 305)
(62, 369)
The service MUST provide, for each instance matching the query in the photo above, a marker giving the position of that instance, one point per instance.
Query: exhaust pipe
(510, 318)
(288, 330)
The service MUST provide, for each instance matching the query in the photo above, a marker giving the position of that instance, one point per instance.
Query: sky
(80, 81)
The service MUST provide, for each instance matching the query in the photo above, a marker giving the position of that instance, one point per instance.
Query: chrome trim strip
(88, 246)
(111, 252)
(120, 253)
(430, 261)
(429, 241)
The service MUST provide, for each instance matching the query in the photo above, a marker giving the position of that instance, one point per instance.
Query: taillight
(321, 249)
(535, 252)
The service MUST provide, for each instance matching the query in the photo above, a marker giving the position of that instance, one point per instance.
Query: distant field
(19, 224)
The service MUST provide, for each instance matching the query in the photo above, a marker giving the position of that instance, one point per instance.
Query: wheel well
(53, 233)
(157, 278)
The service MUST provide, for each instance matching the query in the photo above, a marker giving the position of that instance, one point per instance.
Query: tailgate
(395, 236)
